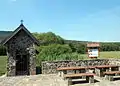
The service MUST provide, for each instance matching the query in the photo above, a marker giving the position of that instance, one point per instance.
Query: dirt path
(48, 80)
(36, 80)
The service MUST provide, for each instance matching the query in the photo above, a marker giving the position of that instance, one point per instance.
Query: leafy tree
(53, 52)
(49, 38)
(2, 50)
(78, 47)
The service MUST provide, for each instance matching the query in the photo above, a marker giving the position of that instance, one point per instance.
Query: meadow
(103, 55)
(3, 62)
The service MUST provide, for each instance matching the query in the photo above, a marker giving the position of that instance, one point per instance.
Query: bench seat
(111, 72)
(89, 77)
(78, 75)
(109, 75)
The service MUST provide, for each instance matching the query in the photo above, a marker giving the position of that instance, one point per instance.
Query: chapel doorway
(22, 65)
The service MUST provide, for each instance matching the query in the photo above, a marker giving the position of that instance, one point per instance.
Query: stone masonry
(50, 67)
(21, 42)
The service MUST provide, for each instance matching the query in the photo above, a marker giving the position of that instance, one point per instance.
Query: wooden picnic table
(103, 68)
(74, 70)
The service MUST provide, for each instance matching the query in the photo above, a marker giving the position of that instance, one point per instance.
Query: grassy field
(112, 54)
(3, 61)
(105, 55)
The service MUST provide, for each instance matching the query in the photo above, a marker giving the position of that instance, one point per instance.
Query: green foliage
(51, 51)
(78, 47)
(2, 50)
(55, 52)
(110, 46)
(3, 62)
(49, 38)
(70, 56)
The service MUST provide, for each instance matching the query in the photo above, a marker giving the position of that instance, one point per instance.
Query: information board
(93, 52)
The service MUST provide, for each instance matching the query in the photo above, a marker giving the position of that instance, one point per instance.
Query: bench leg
(90, 79)
(59, 73)
(98, 72)
(69, 81)
(106, 77)
(109, 77)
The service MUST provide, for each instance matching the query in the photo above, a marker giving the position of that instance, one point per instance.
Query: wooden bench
(104, 68)
(89, 77)
(109, 75)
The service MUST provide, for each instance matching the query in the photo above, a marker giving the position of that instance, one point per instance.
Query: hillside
(4, 34)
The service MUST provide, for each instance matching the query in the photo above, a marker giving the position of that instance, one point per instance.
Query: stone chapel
(21, 53)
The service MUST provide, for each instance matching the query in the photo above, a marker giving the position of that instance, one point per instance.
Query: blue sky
(91, 20)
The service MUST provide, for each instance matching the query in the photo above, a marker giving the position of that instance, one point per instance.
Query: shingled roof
(21, 27)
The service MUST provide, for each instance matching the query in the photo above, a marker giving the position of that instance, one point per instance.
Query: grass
(3, 62)
(112, 54)
(105, 55)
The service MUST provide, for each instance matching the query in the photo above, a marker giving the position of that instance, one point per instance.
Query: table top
(71, 68)
(86, 67)
(106, 66)
(78, 75)
(112, 72)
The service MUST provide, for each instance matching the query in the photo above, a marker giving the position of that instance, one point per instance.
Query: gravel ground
(48, 80)
(36, 80)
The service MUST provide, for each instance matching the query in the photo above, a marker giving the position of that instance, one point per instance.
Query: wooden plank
(91, 67)
(76, 68)
(111, 72)
(106, 66)
(71, 68)
(78, 75)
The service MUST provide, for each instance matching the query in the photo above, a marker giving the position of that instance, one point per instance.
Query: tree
(2, 50)
(49, 38)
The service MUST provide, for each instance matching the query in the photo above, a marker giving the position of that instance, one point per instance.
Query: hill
(4, 34)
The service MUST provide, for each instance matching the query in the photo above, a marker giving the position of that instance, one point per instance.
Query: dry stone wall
(50, 67)
(114, 62)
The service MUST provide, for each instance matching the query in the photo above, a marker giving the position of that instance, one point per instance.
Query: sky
(82, 20)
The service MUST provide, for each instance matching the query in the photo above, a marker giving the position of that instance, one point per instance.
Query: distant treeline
(2, 50)
(110, 46)
(49, 40)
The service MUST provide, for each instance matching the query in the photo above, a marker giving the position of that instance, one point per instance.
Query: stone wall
(50, 67)
(114, 62)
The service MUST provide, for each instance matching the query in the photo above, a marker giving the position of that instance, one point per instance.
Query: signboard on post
(93, 50)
